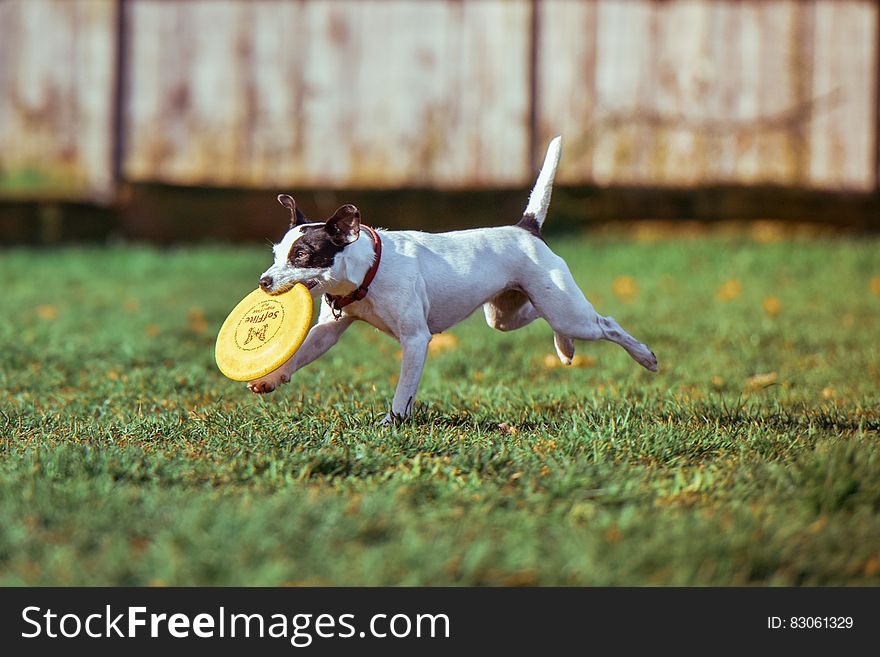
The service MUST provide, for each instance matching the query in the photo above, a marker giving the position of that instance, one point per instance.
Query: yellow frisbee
(262, 332)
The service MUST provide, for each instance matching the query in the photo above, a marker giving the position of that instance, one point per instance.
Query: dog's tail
(539, 201)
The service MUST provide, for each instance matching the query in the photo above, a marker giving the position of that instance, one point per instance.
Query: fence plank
(843, 131)
(56, 82)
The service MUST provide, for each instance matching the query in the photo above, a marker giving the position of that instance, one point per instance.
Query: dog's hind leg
(614, 332)
(559, 300)
(512, 309)
(509, 311)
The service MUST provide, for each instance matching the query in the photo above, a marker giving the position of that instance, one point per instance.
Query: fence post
(534, 37)
(120, 94)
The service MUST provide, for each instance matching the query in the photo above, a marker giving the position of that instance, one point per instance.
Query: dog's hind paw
(649, 362)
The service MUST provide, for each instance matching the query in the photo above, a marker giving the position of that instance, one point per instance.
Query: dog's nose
(266, 283)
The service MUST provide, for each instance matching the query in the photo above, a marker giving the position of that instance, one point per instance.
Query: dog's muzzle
(268, 283)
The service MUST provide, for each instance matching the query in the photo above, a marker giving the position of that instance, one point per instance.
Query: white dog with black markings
(412, 285)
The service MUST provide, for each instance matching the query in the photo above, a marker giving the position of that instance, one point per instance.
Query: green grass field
(752, 457)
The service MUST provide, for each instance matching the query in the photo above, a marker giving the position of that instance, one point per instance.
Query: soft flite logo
(259, 325)
(257, 333)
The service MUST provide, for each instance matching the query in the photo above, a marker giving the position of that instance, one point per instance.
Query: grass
(751, 458)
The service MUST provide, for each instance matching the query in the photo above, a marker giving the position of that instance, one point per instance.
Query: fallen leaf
(528, 577)
(551, 361)
(196, 320)
(442, 342)
(767, 232)
(47, 312)
(583, 361)
(717, 381)
(544, 446)
(874, 286)
(152, 330)
(138, 544)
(507, 428)
(761, 380)
(625, 288)
(818, 524)
(829, 393)
(728, 290)
(772, 306)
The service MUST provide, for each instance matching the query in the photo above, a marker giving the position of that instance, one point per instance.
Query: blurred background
(172, 120)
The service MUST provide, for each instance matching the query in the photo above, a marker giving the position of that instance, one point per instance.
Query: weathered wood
(844, 131)
(437, 93)
(56, 82)
(348, 93)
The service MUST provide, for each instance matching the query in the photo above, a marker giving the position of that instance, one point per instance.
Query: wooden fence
(447, 94)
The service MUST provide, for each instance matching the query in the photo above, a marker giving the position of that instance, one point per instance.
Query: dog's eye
(299, 253)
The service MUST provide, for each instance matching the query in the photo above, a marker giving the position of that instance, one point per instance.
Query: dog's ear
(296, 217)
(345, 225)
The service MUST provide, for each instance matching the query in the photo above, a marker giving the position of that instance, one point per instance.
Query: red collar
(337, 303)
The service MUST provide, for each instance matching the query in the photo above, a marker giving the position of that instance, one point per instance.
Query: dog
(412, 285)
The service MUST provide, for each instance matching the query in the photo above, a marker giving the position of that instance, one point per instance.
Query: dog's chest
(367, 312)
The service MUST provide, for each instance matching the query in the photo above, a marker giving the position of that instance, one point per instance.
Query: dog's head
(311, 253)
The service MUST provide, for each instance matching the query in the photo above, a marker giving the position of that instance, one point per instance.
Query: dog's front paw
(392, 419)
(267, 383)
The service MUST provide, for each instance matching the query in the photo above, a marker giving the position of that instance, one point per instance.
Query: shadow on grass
(740, 414)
